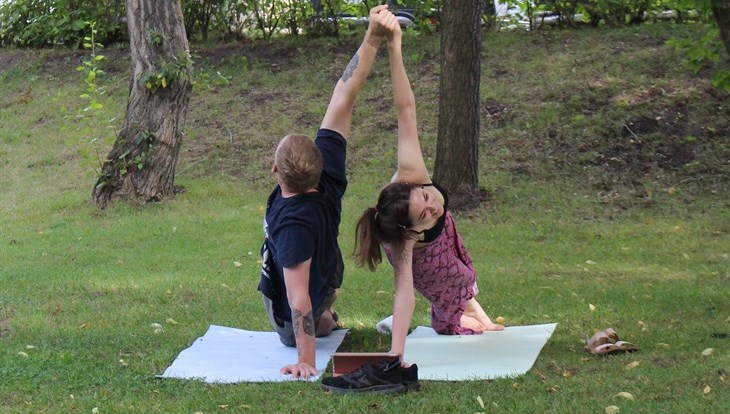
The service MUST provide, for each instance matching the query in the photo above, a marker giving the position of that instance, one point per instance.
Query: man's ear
(274, 169)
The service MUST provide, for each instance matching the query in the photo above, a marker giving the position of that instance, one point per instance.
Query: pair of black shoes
(383, 378)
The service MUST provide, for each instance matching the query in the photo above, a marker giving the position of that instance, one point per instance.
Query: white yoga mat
(507, 353)
(229, 355)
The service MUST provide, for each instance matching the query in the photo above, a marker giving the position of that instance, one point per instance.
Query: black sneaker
(410, 378)
(383, 378)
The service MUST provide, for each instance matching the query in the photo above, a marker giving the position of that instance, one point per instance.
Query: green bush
(41, 23)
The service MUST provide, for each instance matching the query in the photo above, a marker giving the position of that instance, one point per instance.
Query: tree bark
(721, 10)
(457, 150)
(141, 165)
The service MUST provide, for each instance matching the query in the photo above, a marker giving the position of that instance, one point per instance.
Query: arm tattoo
(305, 321)
(350, 69)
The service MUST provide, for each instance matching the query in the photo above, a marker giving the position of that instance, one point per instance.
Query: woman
(412, 222)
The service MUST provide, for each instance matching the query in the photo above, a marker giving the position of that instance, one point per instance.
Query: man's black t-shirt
(306, 226)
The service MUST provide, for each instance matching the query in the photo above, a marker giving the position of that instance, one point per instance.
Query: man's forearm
(304, 330)
(357, 71)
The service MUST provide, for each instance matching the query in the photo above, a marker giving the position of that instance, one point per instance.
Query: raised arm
(339, 112)
(411, 167)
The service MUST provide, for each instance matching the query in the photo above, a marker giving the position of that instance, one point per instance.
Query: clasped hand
(383, 22)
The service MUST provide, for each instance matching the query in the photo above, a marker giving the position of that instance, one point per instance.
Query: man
(302, 263)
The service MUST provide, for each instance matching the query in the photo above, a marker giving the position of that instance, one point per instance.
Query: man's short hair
(298, 163)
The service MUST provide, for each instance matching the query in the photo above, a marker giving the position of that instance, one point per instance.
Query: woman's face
(423, 209)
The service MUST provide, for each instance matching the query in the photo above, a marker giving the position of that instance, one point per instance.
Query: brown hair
(298, 163)
(387, 222)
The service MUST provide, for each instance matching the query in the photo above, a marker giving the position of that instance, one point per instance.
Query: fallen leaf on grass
(23, 354)
(237, 264)
(95, 410)
(500, 320)
(642, 325)
(123, 363)
(481, 403)
(633, 365)
(612, 409)
(707, 389)
(708, 351)
(85, 325)
(591, 307)
(569, 372)
(723, 374)
(171, 321)
(626, 395)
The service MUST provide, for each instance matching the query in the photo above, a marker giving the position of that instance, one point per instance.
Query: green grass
(645, 242)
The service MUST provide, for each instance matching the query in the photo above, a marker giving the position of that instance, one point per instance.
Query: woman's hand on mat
(301, 370)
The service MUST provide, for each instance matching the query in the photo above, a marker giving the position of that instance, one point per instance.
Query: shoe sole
(377, 389)
(412, 385)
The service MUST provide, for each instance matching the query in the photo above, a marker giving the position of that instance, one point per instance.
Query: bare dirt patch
(5, 328)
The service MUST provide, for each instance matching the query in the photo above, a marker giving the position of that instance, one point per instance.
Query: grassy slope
(582, 213)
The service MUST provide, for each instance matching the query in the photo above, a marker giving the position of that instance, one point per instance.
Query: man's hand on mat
(301, 370)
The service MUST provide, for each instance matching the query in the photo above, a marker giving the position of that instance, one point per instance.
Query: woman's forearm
(402, 92)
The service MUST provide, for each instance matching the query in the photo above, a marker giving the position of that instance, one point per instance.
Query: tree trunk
(141, 165)
(457, 150)
(721, 9)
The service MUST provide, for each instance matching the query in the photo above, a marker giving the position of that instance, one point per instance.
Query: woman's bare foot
(471, 323)
(475, 311)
